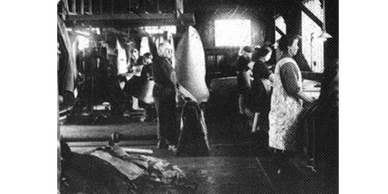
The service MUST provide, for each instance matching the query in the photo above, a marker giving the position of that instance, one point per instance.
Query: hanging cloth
(69, 67)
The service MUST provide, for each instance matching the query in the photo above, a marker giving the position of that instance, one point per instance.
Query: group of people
(276, 98)
(140, 67)
(254, 81)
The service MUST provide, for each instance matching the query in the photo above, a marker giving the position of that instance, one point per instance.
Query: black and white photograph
(188, 96)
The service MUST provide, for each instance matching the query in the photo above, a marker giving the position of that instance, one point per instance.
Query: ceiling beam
(279, 31)
(130, 19)
(309, 13)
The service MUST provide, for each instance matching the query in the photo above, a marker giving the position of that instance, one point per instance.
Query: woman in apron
(286, 101)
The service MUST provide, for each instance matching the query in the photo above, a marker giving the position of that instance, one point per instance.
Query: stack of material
(111, 170)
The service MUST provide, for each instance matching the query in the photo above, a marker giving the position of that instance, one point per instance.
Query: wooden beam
(279, 31)
(309, 13)
(131, 19)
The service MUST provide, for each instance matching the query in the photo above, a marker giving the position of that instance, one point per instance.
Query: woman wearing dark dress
(243, 77)
(261, 89)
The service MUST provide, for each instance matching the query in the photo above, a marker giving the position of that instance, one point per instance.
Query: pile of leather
(110, 170)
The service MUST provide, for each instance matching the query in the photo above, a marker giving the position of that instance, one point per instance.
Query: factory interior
(108, 140)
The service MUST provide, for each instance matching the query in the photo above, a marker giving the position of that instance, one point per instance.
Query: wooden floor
(237, 163)
(229, 170)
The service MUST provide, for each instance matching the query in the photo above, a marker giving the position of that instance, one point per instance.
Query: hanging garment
(68, 70)
(144, 46)
(284, 111)
(122, 65)
(190, 65)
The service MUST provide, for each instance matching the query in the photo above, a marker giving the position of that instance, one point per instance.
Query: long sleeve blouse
(289, 76)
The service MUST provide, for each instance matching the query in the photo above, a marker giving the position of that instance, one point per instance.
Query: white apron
(284, 111)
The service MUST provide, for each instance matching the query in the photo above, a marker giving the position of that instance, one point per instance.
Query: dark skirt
(165, 108)
(133, 87)
(259, 99)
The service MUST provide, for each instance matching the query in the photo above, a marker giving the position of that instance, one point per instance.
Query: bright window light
(313, 46)
(281, 24)
(83, 42)
(159, 29)
(232, 32)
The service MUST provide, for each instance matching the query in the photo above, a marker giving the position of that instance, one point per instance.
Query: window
(232, 33)
(281, 24)
(312, 45)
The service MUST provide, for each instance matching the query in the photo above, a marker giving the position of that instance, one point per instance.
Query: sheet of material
(190, 65)
(82, 7)
(73, 7)
(70, 66)
(90, 7)
(122, 66)
(144, 46)
(179, 5)
(138, 150)
(57, 145)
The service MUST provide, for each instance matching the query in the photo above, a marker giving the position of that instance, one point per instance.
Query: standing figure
(146, 97)
(261, 89)
(286, 101)
(243, 77)
(133, 86)
(164, 93)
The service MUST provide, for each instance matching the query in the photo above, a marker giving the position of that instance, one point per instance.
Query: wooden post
(130, 5)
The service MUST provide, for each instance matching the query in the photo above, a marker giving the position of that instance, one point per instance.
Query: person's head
(263, 53)
(147, 58)
(165, 50)
(134, 53)
(289, 44)
(247, 51)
